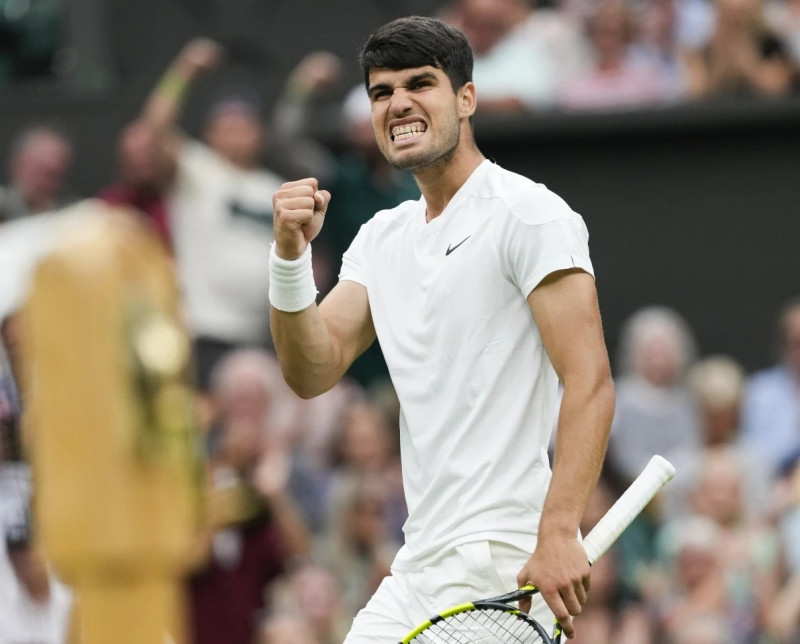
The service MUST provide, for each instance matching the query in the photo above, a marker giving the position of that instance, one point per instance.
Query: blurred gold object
(117, 465)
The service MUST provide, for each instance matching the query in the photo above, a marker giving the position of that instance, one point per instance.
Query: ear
(467, 100)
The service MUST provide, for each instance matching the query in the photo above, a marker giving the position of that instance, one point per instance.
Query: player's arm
(315, 344)
(565, 308)
(163, 106)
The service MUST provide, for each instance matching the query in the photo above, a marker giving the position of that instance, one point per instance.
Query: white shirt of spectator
(21, 618)
(478, 393)
(222, 228)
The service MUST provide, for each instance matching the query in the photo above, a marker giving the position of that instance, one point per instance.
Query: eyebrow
(416, 78)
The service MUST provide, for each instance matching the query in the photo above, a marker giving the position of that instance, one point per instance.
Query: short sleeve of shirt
(353, 259)
(531, 252)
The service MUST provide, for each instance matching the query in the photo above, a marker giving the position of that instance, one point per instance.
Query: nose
(400, 101)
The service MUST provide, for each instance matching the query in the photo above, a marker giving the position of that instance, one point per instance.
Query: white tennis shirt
(477, 390)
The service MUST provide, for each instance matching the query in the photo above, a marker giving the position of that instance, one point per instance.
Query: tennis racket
(498, 620)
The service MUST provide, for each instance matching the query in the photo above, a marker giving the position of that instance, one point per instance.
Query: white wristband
(291, 281)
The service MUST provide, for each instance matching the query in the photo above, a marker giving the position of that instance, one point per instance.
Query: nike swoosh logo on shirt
(450, 250)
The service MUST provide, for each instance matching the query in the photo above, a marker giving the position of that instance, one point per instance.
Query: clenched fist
(299, 211)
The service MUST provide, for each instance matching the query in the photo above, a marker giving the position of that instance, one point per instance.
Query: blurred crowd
(716, 559)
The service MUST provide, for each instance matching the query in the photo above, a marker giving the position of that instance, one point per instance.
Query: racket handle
(657, 473)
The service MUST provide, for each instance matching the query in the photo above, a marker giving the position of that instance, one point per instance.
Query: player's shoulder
(522, 198)
(400, 215)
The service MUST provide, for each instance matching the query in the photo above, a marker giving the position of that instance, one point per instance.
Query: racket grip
(657, 473)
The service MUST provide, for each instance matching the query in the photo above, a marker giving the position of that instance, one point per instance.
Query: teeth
(402, 132)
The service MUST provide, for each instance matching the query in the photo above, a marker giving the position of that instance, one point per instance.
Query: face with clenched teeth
(415, 115)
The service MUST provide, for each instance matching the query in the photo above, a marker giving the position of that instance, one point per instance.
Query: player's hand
(200, 55)
(299, 211)
(560, 570)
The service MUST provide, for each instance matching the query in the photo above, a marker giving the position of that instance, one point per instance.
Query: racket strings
(485, 626)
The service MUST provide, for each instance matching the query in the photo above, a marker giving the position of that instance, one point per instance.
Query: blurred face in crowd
(366, 439)
(659, 356)
(366, 515)
(609, 30)
(287, 629)
(738, 13)
(791, 338)
(416, 115)
(695, 564)
(316, 593)
(243, 398)
(235, 131)
(141, 163)
(39, 168)
(719, 492)
(245, 394)
(486, 22)
(657, 24)
(717, 383)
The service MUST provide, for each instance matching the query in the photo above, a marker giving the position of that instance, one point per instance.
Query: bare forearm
(315, 344)
(584, 423)
(162, 108)
(309, 358)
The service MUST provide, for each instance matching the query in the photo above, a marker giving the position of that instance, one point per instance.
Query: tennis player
(482, 296)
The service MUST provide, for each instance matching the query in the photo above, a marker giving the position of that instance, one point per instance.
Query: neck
(440, 181)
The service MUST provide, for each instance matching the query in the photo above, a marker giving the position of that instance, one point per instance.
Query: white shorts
(468, 572)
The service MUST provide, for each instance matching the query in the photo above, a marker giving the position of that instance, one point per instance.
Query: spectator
(609, 618)
(39, 162)
(718, 385)
(220, 207)
(785, 613)
(702, 629)
(771, 410)
(286, 629)
(260, 528)
(249, 392)
(358, 547)
(695, 588)
(144, 174)
(312, 591)
(514, 72)
(561, 35)
(658, 44)
(618, 80)
(743, 57)
(786, 508)
(367, 447)
(783, 18)
(655, 413)
(748, 549)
